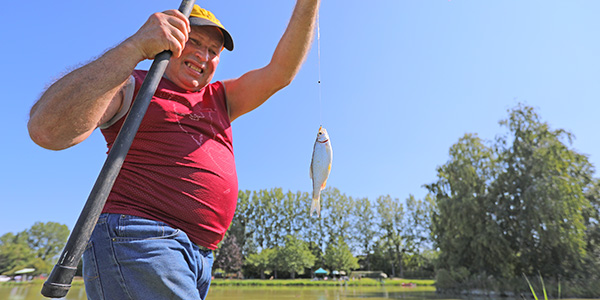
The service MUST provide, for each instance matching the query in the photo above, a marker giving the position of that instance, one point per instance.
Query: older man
(177, 190)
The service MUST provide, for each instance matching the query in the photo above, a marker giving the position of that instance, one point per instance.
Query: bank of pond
(225, 289)
(408, 283)
(302, 289)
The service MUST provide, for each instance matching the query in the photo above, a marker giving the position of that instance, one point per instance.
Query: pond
(32, 292)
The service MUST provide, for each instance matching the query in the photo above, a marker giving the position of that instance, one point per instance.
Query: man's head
(194, 69)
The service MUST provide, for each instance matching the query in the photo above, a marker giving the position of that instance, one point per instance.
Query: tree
(463, 222)
(364, 228)
(230, 256)
(336, 218)
(15, 254)
(241, 225)
(339, 257)
(47, 239)
(295, 256)
(294, 215)
(515, 207)
(263, 261)
(417, 231)
(38, 247)
(264, 218)
(391, 223)
(592, 220)
(540, 195)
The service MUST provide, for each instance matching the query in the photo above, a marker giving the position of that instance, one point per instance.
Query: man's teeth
(194, 67)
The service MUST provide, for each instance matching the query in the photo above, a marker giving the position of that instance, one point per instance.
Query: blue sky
(402, 80)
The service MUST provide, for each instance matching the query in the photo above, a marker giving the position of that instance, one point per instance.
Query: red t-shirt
(180, 168)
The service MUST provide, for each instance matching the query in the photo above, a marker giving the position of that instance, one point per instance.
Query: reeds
(543, 287)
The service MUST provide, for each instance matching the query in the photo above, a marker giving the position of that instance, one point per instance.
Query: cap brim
(228, 41)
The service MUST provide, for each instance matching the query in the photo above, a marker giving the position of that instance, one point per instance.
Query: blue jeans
(135, 258)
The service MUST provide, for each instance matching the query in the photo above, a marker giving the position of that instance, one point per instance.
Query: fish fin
(329, 168)
(324, 184)
(310, 171)
(316, 206)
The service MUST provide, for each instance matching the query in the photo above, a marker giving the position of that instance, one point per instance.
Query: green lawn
(308, 282)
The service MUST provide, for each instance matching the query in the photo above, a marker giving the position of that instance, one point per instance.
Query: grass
(543, 288)
(308, 282)
(276, 282)
(78, 281)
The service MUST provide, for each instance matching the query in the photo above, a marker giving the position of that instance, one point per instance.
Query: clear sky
(402, 80)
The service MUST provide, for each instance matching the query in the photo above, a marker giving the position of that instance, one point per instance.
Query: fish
(320, 167)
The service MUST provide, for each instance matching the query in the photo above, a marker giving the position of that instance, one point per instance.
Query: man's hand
(168, 30)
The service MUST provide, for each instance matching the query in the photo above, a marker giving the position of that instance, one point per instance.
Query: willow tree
(540, 195)
(516, 206)
(464, 219)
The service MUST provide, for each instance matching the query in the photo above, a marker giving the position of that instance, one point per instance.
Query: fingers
(168, 30)
(176, 29)
(180, 17)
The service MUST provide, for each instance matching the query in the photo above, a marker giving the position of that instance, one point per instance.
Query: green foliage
(391, 225)
(523, 203)
(533, 291)
(229, 257)
(540, 196)
(295, 256)
(38, 247)
(423, 284)
(265, 218)
(365, 229)
(338, 256)
(444, 279)
(263, 261)
(15, 254)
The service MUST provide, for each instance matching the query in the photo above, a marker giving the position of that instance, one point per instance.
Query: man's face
(194, 69)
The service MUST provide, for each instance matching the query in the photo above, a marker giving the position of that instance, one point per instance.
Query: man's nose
(202, 53)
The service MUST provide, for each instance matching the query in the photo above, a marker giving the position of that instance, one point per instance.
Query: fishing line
(319, 64)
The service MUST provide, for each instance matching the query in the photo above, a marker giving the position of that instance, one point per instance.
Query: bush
(444, 280)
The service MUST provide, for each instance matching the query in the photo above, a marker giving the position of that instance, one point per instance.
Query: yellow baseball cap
(202, 17)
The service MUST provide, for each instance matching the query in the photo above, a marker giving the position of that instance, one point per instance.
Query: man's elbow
(283, 80)
(43, 137)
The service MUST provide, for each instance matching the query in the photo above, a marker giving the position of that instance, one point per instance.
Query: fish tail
(316, 205)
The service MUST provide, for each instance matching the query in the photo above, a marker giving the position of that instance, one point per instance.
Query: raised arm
(253, 88)
(69, 111)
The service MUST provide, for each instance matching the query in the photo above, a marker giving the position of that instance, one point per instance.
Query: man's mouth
(195, 68)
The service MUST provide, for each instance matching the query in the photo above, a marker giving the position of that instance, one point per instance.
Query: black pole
(59, 281)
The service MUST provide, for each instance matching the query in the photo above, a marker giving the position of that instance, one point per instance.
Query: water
(32, 292)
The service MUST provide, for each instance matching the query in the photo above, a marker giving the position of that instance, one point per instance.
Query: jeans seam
(97, 280)
(170, 236)
(118, 265)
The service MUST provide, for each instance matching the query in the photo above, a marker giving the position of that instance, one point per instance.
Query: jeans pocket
(131, 228)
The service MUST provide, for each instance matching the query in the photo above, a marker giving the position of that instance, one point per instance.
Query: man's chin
(191, 85)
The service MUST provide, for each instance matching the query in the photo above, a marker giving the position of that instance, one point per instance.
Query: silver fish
(320, 166)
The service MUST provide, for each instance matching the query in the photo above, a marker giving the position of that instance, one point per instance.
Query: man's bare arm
(253, 88)
(75, 105)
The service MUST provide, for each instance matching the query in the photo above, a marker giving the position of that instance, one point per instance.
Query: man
(176, 193)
